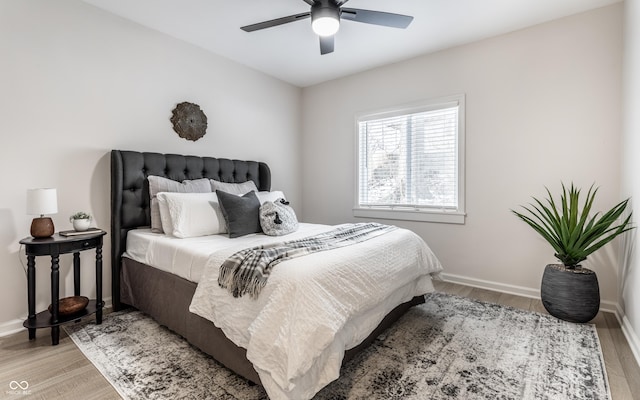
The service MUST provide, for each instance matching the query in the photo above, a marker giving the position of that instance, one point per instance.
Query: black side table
(54, 246)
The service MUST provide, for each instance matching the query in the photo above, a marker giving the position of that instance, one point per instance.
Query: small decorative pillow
(278, 218)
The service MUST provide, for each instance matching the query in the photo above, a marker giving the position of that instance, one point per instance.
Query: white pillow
(165, 216)
(159, 184)
(270, 196)
(192, 214)
(233, 188)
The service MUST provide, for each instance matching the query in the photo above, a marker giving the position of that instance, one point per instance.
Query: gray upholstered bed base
(145, 287)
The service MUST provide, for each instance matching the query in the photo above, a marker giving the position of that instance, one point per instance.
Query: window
(411, 162)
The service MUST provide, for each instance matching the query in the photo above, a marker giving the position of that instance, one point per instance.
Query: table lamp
(41, 202)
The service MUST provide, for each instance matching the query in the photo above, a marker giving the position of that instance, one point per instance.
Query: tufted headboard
(130, 190)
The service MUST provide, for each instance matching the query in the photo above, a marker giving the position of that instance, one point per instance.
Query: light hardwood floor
(63, 372)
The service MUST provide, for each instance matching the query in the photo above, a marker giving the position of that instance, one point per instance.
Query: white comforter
(315, 307)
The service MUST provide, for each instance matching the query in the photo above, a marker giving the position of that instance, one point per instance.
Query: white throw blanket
(315, 307)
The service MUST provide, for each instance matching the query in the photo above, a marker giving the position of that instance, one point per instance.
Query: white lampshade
(42, 201)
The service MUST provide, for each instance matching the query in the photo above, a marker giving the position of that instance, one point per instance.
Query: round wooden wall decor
(189, 121)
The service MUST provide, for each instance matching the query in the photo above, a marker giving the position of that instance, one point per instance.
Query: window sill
(445, 217)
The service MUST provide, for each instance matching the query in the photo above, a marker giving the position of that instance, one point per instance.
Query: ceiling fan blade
(310, 2)
(275, 22)
(340, 3)
(326, 44)
(376, 17)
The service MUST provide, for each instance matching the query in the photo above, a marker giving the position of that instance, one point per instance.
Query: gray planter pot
(570, 294)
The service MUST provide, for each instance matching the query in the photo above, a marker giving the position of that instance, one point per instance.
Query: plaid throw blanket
(247, 271)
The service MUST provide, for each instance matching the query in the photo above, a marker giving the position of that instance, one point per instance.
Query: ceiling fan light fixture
(325, 26)
(326, 16)
(325, 21)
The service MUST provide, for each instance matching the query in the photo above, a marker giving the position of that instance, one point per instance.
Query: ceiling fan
(325, 20)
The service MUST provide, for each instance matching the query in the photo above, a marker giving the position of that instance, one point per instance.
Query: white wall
(630, 263)
(542, 106)
(75, 83)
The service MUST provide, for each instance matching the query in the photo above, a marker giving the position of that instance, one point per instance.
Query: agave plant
(569, 229)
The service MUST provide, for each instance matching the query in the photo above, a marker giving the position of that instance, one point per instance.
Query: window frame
(424, 214)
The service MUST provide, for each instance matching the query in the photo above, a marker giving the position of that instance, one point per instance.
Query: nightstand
(54, 246)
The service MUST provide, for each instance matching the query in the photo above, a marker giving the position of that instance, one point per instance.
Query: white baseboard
(15, 326)
(11, 327)
(489, 285)
(632, 338)
(607, 306)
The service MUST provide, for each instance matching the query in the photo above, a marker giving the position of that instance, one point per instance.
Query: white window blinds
(410, 160)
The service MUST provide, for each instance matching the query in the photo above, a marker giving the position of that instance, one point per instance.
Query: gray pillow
(242, 213)
(233, 188)
(159, 184)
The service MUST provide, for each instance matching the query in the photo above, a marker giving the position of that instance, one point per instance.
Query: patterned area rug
(448, 348)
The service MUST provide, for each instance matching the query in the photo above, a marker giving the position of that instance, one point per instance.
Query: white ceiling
(291, 52)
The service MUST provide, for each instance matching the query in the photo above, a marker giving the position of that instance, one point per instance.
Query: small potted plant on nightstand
(81, 221)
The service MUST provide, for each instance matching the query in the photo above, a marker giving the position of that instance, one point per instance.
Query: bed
(167, 295)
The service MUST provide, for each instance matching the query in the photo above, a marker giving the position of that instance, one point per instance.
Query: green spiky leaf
(568, 226)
